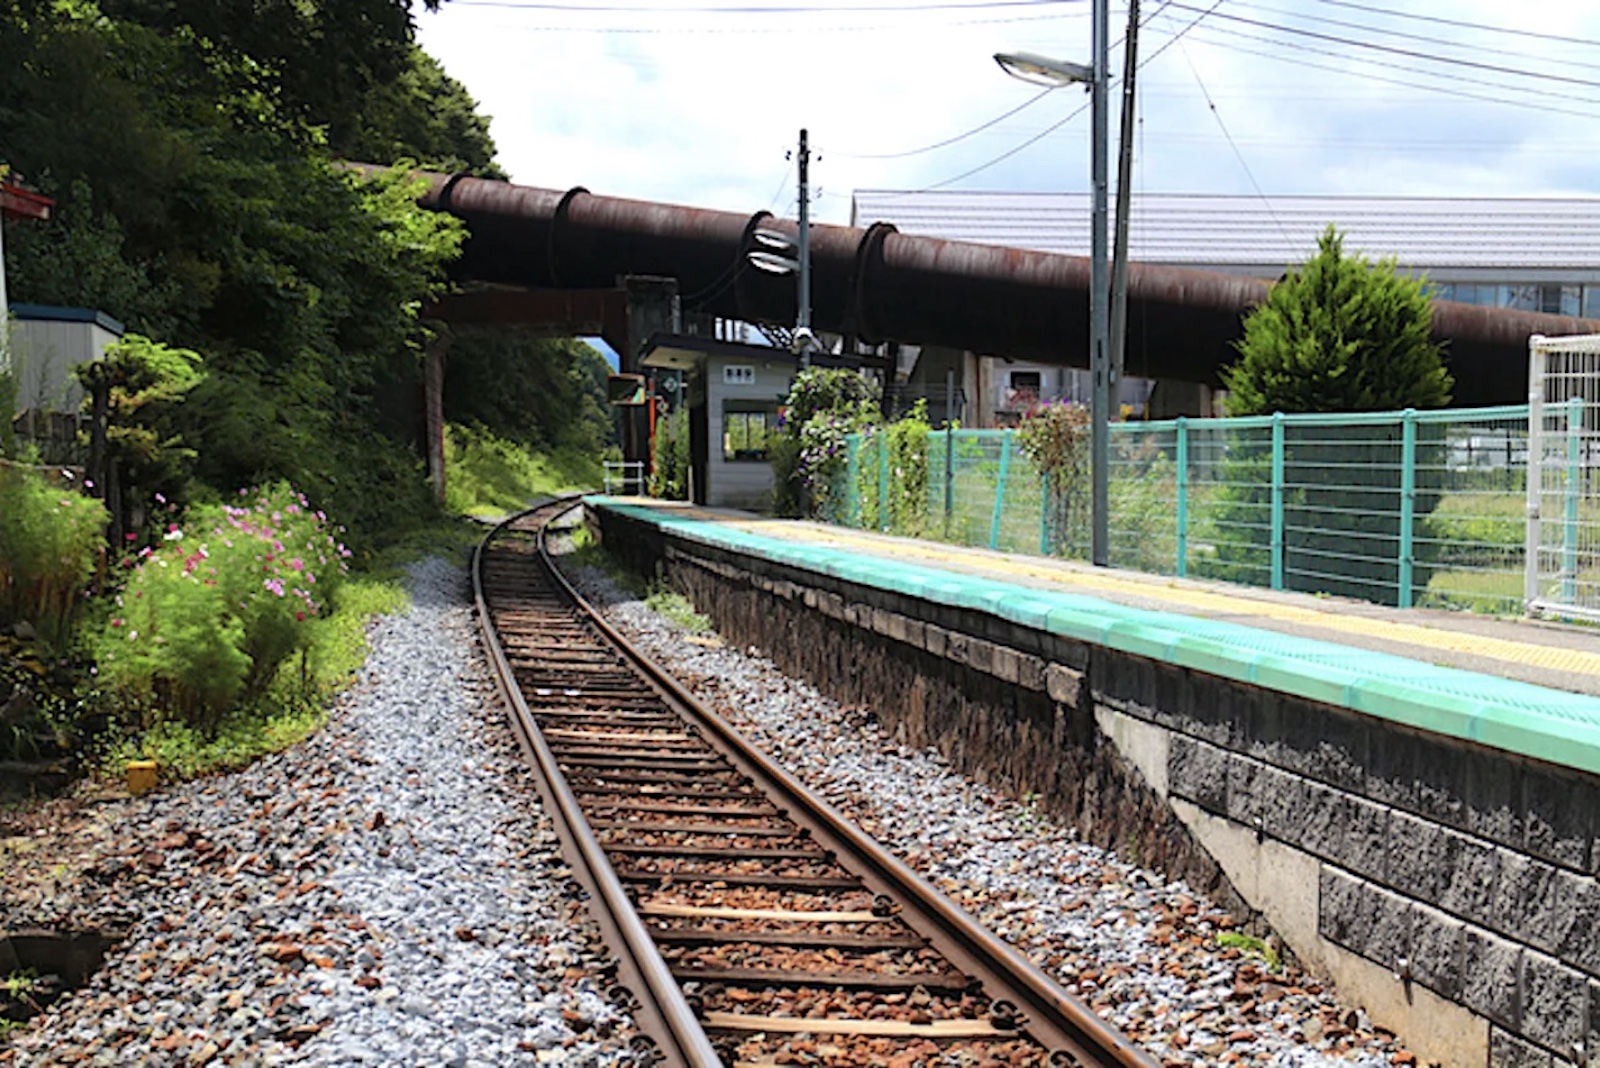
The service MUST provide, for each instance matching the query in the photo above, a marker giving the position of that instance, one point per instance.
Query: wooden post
(433, 409)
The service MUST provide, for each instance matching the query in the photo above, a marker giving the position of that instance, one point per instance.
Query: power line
(1409, 53)
(1441, 21)
(1384, 80)
(1248, 173)
(958, 137)
(1047, 131)
(1449, 77)
(749, 30)
(1497, 50)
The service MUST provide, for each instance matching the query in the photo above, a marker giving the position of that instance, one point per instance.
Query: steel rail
(1052, 1016)
(661, 1006)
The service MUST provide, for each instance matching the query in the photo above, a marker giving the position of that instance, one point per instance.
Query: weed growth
(488, 475)
(1251, 946)
(677, 608)
(50, 543)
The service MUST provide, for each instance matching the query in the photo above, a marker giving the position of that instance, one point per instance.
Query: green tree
(200, 205)
(422, 114)
(546, 393)
(1339, 334)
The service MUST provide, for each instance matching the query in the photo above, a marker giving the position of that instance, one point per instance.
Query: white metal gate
(1563, 550)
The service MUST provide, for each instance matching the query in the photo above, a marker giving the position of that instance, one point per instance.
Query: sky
(701, 101)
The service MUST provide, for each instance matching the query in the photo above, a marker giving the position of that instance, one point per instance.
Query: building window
(745, 428)
(1591, 302)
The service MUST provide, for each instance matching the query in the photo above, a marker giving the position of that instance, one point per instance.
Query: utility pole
(1100, 408)
(1119, 254)
(803, 314)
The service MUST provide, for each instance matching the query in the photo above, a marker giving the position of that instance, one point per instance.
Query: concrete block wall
(1463, 870)
(1449, 888)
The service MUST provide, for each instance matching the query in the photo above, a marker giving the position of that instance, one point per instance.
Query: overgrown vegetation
(669, 464)
(487, 475)
(52, 538)
(824, 406)
(674, 606)
(1056, 438)
(272, 294)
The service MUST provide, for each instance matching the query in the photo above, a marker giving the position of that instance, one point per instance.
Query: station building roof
(1448, 238)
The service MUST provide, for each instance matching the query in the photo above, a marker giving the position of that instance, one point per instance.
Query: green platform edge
(1556, 726)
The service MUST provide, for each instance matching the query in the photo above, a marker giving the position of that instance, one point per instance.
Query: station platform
(1528, 686)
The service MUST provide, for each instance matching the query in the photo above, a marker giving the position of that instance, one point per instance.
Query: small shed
(47, 342)
(735, 391)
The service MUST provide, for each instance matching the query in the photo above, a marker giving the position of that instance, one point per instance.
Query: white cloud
(692, 109)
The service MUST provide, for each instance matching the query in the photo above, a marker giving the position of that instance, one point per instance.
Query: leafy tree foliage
(198, 202)
(421, 114)
(1339, 335)
(541, 392)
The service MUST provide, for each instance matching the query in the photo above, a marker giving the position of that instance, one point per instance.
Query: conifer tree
(1340, 334)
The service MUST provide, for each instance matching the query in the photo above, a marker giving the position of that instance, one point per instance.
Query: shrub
(1056, 438)
(669, 466)
(823, 407)
(51, 539)
(206, 619)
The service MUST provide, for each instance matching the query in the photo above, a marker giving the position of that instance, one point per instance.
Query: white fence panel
(1563, 551)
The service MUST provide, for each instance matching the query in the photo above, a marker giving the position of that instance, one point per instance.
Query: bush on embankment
(230, 634)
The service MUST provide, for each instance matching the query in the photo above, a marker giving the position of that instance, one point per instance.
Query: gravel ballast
(1152, 956)
(388, 892)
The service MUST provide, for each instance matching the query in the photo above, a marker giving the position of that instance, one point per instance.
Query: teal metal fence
(1403, 508)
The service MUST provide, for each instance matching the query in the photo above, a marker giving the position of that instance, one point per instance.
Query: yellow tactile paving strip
(1200, 601)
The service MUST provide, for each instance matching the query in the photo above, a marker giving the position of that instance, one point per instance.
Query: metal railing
(1403, 508)
(625, 477)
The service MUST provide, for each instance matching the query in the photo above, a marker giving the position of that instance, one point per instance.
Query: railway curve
(753, 924)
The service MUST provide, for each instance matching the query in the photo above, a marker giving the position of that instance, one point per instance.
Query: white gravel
(1142, 950)
(388, 892)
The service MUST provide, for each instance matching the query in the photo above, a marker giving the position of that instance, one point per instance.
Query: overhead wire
(741, 31)
(958, 137)
(712, 9)
(1237, 154)
(1495, 49)
(1047, 131)
(1371, 61)
(1461, 23)
(730, 275)
(1408, 53)
(1385, 80)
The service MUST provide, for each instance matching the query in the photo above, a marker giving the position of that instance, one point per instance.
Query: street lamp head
(772, 263)
(775, 239)
(1041, 70)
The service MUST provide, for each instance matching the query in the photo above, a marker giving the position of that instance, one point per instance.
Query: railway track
(753, 925)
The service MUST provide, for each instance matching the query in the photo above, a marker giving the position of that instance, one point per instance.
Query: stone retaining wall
(1449, 888)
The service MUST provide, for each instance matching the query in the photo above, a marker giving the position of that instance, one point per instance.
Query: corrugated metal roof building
(1536, 254)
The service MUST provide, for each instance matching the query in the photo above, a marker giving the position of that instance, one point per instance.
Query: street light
(782, 254)
(1040, 70)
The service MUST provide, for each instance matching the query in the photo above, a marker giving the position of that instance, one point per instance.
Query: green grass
(486, 475)
(1488, 592)
(293, 707)
(676, 607)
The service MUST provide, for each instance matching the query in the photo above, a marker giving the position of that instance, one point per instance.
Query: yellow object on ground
(141, 775)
